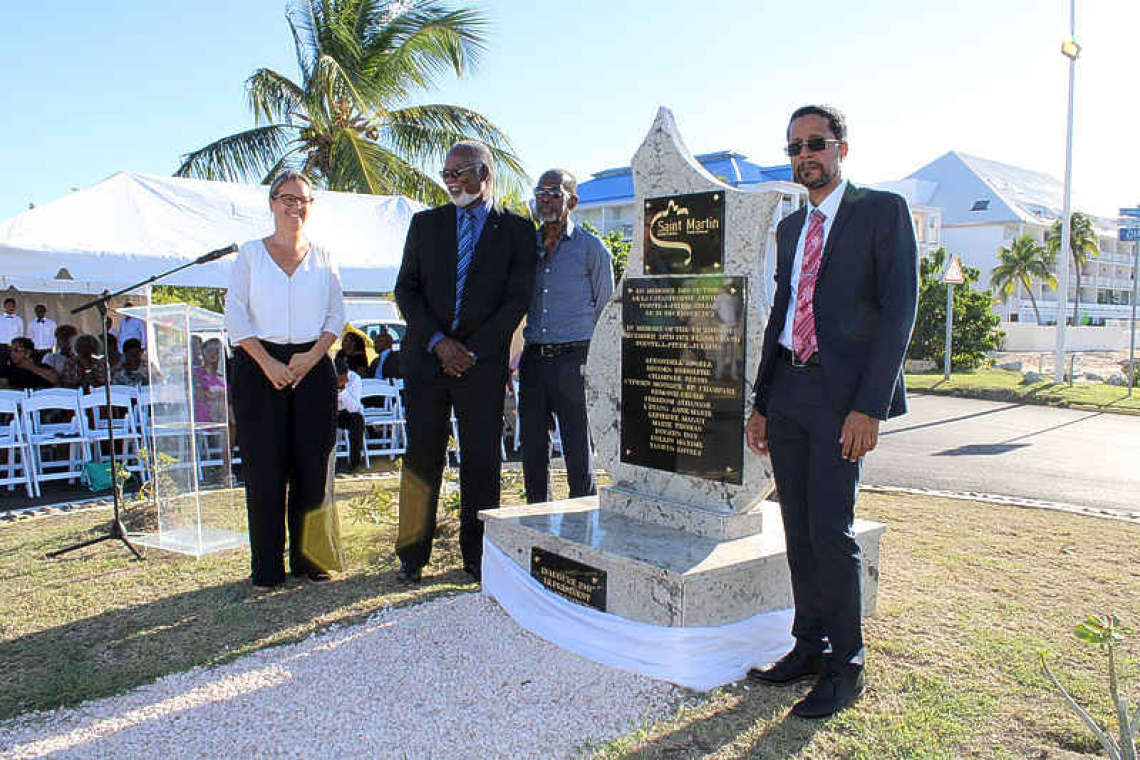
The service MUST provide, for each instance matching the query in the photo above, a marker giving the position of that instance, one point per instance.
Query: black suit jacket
(866, 295)
(496, 295)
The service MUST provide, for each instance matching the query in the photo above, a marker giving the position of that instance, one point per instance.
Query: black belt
(790, 358)
(550, 350)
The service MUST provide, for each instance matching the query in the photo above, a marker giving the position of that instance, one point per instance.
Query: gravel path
(452, 678)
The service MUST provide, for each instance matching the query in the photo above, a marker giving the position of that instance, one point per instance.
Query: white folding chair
(384, 431)
(15, 442)
(52, 418)
(94, 425)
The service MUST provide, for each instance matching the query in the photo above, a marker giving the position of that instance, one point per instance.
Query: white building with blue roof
(986, 205)
(606, 199)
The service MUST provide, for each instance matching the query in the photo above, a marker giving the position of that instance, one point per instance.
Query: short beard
(550, 217)
(463, 199)
(825, 177)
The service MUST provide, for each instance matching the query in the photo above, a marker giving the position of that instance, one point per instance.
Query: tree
(1083, 245)
(1023, 262)
(343, 124)
(212, 299)
(618, 245)
(975, 324)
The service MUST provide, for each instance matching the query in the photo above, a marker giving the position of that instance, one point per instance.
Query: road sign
(1130, 211)
(954, 274)
(1130, 234)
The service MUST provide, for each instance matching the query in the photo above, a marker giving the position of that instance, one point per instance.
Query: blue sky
(91, 89)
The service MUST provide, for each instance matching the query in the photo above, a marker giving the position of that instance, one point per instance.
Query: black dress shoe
(795, 666)
(837, 688)
(409, 574)
(474, 571)
(266, 585)
(318, 576)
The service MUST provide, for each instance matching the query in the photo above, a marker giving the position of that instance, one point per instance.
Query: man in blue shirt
(574, 280)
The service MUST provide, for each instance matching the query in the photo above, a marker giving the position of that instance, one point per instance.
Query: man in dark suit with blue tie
(830, 371)
(463, 287)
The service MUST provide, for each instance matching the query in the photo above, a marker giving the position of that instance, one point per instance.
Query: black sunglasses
(814, 144)
(447, 174)
(548, 192)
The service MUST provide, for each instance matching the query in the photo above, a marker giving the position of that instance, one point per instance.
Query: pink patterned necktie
(803, 328)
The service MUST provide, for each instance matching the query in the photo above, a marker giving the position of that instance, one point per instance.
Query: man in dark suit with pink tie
(830, 372)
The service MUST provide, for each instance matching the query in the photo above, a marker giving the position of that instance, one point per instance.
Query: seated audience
(114, 356)
(84, 370)
(130, 370)
(209, 385)
(64, 338)
(350, 412)
(387, 364)
(352, 350)
(23, 372)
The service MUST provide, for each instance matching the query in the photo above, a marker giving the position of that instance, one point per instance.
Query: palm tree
(1083, 245)
(1024, 261)
(347, 123)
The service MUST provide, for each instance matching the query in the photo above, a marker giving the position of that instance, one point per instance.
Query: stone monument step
(659, 575)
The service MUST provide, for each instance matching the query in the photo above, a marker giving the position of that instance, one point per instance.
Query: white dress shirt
(348, 399)
(131, 327)
(56, 361)
(11, 326)
(828, 208)
(42, 333)
(264, 302)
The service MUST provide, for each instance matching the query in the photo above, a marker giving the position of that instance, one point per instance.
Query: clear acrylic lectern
(186, 421)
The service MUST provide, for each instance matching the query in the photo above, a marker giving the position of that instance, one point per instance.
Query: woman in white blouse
(284, 309)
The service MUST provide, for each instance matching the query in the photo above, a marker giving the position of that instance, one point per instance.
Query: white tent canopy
(132, 226)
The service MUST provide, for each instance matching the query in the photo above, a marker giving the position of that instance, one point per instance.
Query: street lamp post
(1070, 49)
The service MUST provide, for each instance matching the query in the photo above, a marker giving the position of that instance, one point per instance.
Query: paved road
(1036, 452)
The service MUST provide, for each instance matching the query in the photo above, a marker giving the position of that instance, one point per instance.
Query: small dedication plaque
(569, 579)
(684, 234)
(682, 375)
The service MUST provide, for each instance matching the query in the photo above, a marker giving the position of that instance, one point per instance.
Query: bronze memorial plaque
(682, 375)
(684, 234)
(569, 579)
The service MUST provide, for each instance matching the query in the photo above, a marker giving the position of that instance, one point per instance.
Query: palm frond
(245, 156)
(302, 18)
(333, 83)
(273, 97)
(424, 134)
(360, 165)
(424, 42)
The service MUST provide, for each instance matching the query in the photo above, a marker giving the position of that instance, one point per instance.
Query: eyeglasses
(549, 192)
(447, 174)
(814, 144)
(292, 200)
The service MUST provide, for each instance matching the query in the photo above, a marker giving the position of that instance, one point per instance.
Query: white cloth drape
(697, 658)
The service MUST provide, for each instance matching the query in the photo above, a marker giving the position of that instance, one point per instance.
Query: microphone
(214, 255)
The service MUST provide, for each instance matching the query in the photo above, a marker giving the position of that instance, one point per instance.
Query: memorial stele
(683, 536)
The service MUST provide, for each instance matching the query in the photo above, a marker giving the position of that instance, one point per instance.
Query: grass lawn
(969, 594)
(1005, 385)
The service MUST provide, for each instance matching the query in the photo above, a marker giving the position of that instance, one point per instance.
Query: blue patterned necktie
(466, 247)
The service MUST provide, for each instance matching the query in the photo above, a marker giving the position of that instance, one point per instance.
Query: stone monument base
(660, 575)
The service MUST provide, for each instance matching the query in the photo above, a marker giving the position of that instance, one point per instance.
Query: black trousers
(353, 422)
(554, 386)
(478, 401)
(286, 438)
(817, 501)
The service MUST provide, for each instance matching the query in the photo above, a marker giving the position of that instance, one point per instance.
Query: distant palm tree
(1083, 245)
(1023, 262)
(346, 124)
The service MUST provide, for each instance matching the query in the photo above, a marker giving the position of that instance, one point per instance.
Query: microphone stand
(117, 531)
